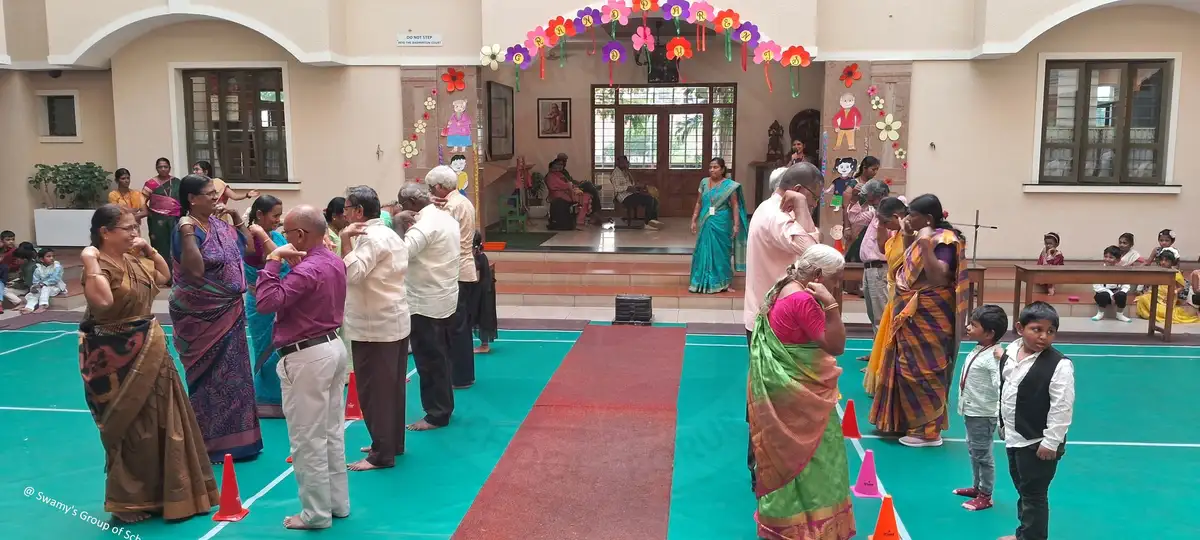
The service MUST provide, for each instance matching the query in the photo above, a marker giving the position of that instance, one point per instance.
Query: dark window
(1105, 122)
(235, 121)
(60, 116)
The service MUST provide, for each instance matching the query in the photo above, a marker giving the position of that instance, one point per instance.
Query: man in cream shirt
(377, 323)
(443, 183)
(433, 244)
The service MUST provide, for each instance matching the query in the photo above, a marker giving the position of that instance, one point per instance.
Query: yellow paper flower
(419, 126)
(889, 128)
(430, 103)
(409, 148)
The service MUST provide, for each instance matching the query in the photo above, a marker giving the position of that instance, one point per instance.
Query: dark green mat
(518, 240)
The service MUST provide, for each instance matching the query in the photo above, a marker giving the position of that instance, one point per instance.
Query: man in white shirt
(376, 321)
(1037, 398)
(443, 183)
(434, 245)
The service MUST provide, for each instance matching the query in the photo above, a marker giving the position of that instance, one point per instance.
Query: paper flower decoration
(767, 53)
(889, 128)
(727, 22)
(491, 56)
(700, 14)
(407, 164)
(559, 28)
(748, 35)
(678, 49)
(901, 154)
(536, 40)
(454, 80)
(430, 103)
(676, 10)
(615, 11)
(419, 126)
(877, 103)
(872, 90)
(645, 7)
(519, 57)
(795, 57)
(409, 148)
(585, 20)
(613, 52)
(850, 74)
(643, 38)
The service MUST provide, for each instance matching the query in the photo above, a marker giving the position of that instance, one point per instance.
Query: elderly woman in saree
(162, 201)
(264, 217)
(719, 223)
(154, 452)
(890, 215)
(802, 473)
(209, 314)
(928, 320)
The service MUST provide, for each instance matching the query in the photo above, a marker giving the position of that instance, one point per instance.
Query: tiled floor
(674, 233)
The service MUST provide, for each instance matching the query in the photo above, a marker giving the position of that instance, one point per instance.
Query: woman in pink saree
(575, 201)
(162, 200)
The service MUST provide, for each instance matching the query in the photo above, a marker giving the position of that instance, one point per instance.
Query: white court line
(22, 347)
(43, 409)
(267, 488)
(862, 455)
(1079, 443)
(964, 353)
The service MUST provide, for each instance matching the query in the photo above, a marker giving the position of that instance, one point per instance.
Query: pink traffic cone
(867, 486)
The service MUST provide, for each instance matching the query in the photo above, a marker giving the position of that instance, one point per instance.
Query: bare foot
(365, 449)
(294, 522)
(483, 350)
(26, 311)
(364, 465)
(422, 425)
(131, 517)
(41, 309)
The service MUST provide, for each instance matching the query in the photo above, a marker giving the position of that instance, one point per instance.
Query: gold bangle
(831, 307)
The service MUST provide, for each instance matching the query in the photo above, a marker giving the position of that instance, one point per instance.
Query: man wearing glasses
(308, 306)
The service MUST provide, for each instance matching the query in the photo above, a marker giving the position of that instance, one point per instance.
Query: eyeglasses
(130, 228)
(298, 229)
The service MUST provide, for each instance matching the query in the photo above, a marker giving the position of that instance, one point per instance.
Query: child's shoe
(969, 493)
(1099, 315)
(1121, 317)
(978, 503)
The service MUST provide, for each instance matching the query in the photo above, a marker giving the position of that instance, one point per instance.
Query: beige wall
(982, 117)
(4, 57)
(25, 30)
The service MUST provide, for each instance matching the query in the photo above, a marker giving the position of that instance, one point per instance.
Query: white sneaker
(917, 442)
(1099, 315)
(1121, 317)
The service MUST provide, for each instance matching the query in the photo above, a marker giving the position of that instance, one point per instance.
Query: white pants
(312, 381)
(41, 297)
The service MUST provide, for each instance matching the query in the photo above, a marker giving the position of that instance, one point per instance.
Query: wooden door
(668, 148)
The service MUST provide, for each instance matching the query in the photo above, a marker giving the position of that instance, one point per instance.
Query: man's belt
(301, 345)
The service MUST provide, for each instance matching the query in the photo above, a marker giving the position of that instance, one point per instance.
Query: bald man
(313, 367)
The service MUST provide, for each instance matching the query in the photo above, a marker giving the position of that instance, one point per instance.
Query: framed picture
(500, 121)
(554, 118)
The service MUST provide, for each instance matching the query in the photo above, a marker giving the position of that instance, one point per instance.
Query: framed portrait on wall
(500, 121)
(554, 118)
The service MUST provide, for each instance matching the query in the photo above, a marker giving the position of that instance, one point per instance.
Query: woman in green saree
(719, 223)
(162, 199)
(803, 486)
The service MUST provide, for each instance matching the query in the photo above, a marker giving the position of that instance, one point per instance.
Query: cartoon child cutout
(845, 168)
(458, 162)
(458, 129)
(846, 122)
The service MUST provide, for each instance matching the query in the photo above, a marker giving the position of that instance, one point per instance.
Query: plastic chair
(510, 213)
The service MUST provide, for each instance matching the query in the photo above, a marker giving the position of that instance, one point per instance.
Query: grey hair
(414, 191)
(775, 176)
(443, 177)
(818, 261)
(876, 189)
(365, 197)
(310, 219)
(802, 174)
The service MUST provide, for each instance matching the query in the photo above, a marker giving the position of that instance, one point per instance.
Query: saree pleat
(918, 358)
(894, 253)
(803, 485)
(718, 251)
(268, 393)
(209, 317)
(155, 459)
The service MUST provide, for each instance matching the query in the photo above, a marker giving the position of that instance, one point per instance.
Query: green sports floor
(1134, 450)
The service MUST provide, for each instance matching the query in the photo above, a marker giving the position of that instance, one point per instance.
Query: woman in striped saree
(719, 223)
(927, 325)
(209, 314)
(264, 217)
(162, 201)
(803, 479)
(891, 213)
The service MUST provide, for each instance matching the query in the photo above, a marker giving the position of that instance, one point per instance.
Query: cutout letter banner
(700, 13)
(613, 52)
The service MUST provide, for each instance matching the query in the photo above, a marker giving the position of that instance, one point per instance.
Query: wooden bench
(1075, 274)
(853, 272)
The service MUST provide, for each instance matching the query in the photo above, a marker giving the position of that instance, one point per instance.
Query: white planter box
(62, 227)
(539, 212)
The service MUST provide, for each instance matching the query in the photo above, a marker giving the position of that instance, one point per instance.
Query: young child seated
(1108, 294)
(1037, 400)
(20, 272)
(1183, 313)
(979, 402)
(1050, 255)
(47, 282)
(1129, 256)
(1166, 239)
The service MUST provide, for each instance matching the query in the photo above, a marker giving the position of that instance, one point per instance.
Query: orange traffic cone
(885, 527)
(353, 411)
(850, 422)
(231, 502)
(289, 459)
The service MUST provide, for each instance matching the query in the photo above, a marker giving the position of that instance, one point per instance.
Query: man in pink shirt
(780, 229)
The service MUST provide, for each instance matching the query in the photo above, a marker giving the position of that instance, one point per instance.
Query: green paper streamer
(793, 78)
(562, 48)
(728, 47)
(518, 78)
(676, 19)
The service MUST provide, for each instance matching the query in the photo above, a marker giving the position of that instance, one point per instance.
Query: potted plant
(538, 209)
(70, 193)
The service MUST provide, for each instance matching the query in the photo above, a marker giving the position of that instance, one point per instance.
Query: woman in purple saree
(209, 318)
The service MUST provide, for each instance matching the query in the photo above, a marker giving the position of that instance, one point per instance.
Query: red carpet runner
(594, 457)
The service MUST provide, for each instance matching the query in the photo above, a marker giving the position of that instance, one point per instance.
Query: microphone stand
(975, 240)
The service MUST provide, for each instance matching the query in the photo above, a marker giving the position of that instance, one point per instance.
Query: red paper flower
(678, 49)
(795, 56)
(645, 6)
(727, 20)
(414, 136)
(407, 164)
(454, 80)
(888, 181)
(558, 29)
(850, 74)
(895, 145)
(425, 116)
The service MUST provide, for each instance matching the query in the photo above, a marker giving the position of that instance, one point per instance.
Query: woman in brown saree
(155, 459)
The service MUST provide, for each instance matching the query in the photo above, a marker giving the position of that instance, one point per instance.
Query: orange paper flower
(678, 49)
(558, 29)
(645, 6)
(795, 56)
(727, 20)
(850, 74)
(454, 80)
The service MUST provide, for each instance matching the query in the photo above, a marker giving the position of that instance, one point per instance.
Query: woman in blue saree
(209, 318)
(263, 216)
(719, 223)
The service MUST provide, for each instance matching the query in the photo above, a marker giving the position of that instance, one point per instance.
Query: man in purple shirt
(313, 363)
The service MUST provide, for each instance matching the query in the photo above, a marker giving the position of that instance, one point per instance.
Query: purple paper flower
(587, 18)
(518, 55)
(676, 9)
(748, 34)
(614, 51)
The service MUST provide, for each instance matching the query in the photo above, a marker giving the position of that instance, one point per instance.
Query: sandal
(978, 503)
(969, 493)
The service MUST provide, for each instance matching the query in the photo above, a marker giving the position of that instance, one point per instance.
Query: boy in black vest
(1037, 396)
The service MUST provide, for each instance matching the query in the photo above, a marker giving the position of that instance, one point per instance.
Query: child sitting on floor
(1108, 294)
(1037, 400)
(979, 402)
(47, 282)
(1050, 255)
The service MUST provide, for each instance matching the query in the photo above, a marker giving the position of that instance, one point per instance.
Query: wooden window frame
(253, 109)
(1122, 117)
